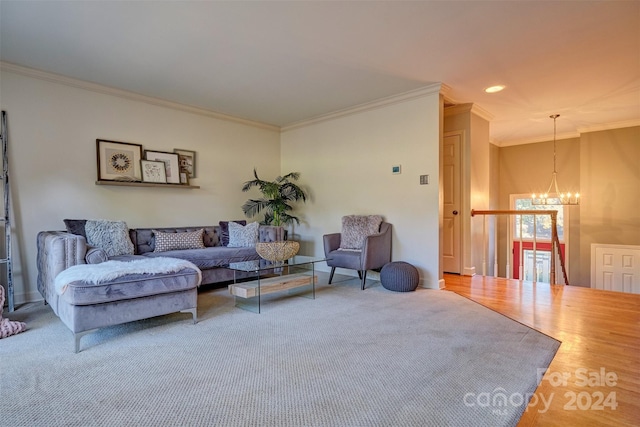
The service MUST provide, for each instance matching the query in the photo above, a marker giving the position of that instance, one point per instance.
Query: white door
(451, 194)
(615, 267)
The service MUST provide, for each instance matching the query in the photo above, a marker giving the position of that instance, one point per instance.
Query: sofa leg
(79, 335)
(364, 278)
(333, 270)
(194, 313)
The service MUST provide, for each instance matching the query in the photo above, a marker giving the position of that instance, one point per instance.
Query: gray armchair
(375, 253)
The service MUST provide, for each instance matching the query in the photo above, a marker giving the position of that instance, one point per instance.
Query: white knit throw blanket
(110, 270)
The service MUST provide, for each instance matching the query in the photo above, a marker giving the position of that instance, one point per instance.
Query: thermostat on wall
(396, 169)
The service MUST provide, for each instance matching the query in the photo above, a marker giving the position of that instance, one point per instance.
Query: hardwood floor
(594, 378)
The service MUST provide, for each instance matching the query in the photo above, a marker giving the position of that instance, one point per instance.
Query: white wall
(53, 129)
(346, 162)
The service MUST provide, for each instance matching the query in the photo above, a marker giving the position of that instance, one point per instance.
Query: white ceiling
(284, 62)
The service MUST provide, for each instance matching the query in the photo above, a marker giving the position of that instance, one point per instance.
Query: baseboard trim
(469, 271)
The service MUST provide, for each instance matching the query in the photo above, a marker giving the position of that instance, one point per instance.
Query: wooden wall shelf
(145, 184)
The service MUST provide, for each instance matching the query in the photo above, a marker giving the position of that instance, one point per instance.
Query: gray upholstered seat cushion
(207, 258)
(129, 287)
(80, 318)
(345, 259)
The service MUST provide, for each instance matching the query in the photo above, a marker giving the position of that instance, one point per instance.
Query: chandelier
(552, 196)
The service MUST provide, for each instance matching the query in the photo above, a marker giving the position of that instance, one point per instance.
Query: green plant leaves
(278, 194)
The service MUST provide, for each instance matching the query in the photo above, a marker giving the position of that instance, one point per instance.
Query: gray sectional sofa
(210, 260)
(85, 306)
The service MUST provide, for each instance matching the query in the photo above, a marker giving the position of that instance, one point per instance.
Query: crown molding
(481, 112)
(445, 90)
(469, 108)
(575, 134)
(107, 90)
(535, 140)
(458, 109)
(432, 89)
(610, 126)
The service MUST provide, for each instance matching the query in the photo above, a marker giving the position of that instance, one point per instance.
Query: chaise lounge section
(84, 306)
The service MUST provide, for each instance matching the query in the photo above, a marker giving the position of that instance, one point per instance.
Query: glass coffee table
(296, 276)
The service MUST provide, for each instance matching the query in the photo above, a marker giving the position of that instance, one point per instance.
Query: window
(524, 264)
(543, 222)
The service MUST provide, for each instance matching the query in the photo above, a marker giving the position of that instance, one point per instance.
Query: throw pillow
(355, 228)
(224, 230)
(76, 226)
(181, 240)
(112, 236)
(9, 327)
(95, 256)
(241, 236)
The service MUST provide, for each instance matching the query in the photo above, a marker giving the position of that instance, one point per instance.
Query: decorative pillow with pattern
(112, 236)
(224, 230)
(243, 236)
(355, 228)
(180, 240)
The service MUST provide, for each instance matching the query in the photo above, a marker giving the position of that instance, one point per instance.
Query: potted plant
(277, 196)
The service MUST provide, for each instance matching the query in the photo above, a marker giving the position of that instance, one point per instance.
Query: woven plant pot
(277, 251)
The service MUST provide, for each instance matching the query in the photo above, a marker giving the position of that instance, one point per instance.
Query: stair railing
(555, 242)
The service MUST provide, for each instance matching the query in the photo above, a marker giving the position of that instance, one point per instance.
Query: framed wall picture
(184, 178)
(118, 161)
(170, 160)
(187, 161)
(153, 171)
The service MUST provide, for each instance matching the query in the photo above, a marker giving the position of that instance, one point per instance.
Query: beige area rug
(347, 358)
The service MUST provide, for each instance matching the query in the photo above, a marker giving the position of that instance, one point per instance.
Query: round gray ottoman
(399, 276)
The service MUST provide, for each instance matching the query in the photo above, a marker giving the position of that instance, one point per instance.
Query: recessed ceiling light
(494, 89)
